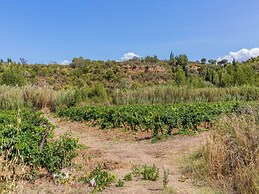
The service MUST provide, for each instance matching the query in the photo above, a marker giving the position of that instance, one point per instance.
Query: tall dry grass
(38, 97)
(171, 94)
(230, 158)
(13, 98)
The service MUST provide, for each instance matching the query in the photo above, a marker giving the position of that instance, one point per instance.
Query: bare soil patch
(117, 151)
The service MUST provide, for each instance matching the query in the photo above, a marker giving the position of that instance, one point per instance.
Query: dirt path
(166, 154)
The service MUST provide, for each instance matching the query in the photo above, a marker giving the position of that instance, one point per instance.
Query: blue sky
(56, 30)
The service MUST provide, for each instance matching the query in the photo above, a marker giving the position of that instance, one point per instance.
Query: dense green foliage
(132, 74)
(21, 135)
(141, 91)
(107, 82)
(14, 75)
(157, 118)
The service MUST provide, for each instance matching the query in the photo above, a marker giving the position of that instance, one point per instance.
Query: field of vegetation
(172, 94)
(163, 98)
(160, 119)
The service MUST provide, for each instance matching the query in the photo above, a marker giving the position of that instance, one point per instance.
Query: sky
(43, 31)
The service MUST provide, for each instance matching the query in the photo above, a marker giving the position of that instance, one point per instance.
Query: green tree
(180, 78)
(172, 61)
(78, 62)
(223, 62)
(23, 61)
(225, 78)
(215, 78)
(208, 75)
(203, 61)
(212, 61)
(234, 63)
(9, 60)
(240, 76)
(151, 59)
(13, 76)
(182, 60)
(98, 93)
(171, 56)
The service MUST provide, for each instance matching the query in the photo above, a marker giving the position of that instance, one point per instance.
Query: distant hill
(131, 74)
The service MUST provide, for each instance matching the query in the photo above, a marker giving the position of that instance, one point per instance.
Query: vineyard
(30, 147)
(126, 97)
(160, 119)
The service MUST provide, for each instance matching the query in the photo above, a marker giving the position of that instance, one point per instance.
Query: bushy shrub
(101, 179)
(128, 177)
(98, 93)
(21, 136)
(146, 172)
(150, 173)
(14, 76)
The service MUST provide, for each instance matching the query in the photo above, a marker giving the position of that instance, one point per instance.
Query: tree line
(178, 70)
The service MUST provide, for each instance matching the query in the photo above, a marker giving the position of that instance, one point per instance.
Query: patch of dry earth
(119, 155)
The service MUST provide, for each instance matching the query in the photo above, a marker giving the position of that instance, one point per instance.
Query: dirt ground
(118, 151)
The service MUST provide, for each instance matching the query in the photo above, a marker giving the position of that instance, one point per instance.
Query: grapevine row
(21, 134)
(157, 118)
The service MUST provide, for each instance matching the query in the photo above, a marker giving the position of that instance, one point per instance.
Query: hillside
(131, 74)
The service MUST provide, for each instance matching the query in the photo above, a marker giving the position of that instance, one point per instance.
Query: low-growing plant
(102, 179)
(146, 172)
(128, 177)
(150, 173)
(165, 178)
(170, 190)
(120, 183)
(32, 176)
(137, 170)
(59, 153)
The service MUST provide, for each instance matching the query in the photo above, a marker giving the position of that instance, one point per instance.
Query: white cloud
(241, 55)
(129, 56)
(65, 62)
